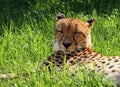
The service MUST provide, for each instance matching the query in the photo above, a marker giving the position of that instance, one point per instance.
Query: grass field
(26, 42)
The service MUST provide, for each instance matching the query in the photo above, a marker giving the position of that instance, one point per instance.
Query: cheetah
(72, 43)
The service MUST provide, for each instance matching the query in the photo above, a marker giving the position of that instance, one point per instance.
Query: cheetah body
(110, 66)
(73, 45)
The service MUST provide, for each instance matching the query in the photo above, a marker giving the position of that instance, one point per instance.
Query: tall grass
(27, 39)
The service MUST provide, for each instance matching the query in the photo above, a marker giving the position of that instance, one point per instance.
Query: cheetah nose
(66, 44)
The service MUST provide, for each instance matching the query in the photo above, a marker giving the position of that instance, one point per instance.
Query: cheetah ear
(90, 23)
(59, 16)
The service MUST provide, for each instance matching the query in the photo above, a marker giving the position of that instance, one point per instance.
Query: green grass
(22, 52)
(25, 43)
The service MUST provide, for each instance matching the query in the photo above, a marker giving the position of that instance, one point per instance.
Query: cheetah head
(72, 34)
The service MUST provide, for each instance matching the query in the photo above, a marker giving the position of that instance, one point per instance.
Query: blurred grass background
(27, 35)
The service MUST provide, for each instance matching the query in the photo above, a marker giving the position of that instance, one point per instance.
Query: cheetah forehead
(72, 24)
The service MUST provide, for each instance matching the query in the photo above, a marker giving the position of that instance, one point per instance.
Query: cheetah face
(72, 34)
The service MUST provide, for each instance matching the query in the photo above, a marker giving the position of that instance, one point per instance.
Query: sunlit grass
(23, 50)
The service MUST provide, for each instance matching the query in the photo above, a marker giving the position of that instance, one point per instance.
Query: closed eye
(77, 32)
(60, 31)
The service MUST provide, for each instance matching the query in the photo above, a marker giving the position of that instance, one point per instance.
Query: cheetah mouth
(67, 51)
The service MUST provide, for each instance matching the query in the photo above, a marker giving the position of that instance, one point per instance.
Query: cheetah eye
(60, 31)
(77, 32)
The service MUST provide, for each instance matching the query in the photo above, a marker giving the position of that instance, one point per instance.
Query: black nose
(66, 44)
